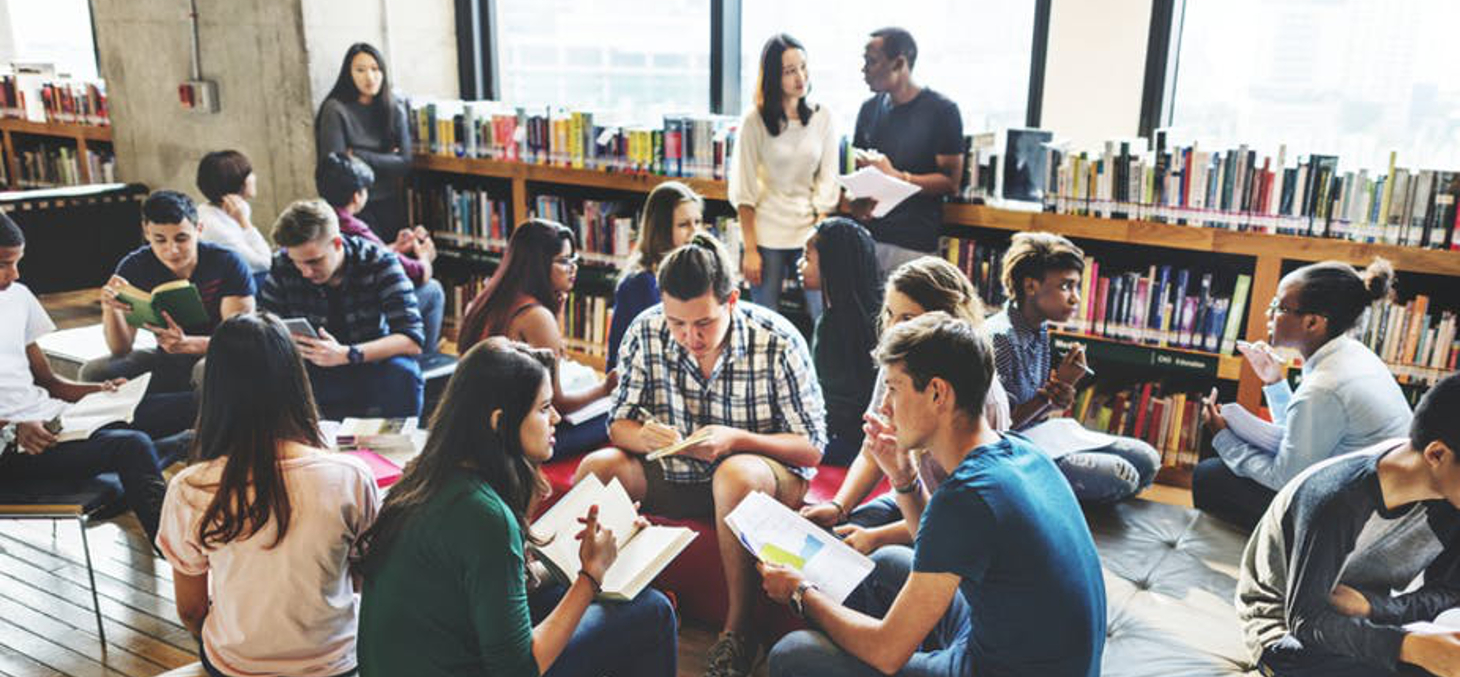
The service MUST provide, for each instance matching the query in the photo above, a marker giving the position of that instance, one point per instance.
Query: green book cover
(1235, 313)
(178, 298)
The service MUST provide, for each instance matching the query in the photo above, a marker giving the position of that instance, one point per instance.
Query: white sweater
(219, 228)
(788, 178)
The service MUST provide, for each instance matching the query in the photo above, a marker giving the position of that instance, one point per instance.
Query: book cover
(179, 298)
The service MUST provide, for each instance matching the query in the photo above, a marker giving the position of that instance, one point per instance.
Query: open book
(101, 409)
(642, 552)
(178, 298)
(777, 535)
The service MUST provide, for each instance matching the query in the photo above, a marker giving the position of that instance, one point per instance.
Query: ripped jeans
(1113, 473)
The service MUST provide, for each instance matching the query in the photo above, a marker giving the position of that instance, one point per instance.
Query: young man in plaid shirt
(359, 300)
(705, 363)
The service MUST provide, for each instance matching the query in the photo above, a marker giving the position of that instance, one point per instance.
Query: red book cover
(1139, 432)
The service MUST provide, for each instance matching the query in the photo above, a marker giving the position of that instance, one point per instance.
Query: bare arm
(192, 600)
(59, 388)
(539, 329)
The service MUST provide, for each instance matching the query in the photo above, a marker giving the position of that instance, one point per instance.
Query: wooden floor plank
(168, 645)
(16, 664)
(116, 656)
(53, 655)
(145, 615)
(141, 581)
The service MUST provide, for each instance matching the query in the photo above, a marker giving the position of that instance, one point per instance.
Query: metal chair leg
(91, 576)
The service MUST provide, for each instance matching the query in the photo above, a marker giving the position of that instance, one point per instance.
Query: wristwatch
(798, 598)
(356, 355)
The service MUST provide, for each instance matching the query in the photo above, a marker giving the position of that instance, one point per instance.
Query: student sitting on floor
(705, 363)
(358, 299)
(447, 590)
(1348, 398)
(172, 252)
(522, 302)
(1003, 578)
(344, 182)
(226, 179)
(1315, 593)
(919, 286)
(1042, 279)
(260, 529)
(672, 214)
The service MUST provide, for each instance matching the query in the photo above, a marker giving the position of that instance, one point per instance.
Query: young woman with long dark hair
(522, 302)
(783, 173)
(265, 516)
(446, 584)
(672, 214)
(361, 117)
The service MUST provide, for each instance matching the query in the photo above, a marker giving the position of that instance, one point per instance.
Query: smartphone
(299, 326)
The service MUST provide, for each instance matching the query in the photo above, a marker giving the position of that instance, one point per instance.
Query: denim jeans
(1215, 489)
(1289, 658)
(390, 388)
(877, 512)
(1113, 473)
(842, 448)
(128, 453)
(576, 439)
(776, 266)
(637, 638)
(944, 653)
(431, 299)
(170, 373)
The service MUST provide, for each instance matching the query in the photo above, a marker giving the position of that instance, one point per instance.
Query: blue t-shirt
(1007, 523)
(220, 273)
(912, 136)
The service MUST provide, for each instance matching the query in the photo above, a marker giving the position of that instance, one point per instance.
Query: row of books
(1238, 189)
(1416, 340)
(62, 101)
(1167, 306)
(605, 233)
(1169, 421)
(982, 263)
(467, 212)
(585, 323)
(60, 165)
(696, 146)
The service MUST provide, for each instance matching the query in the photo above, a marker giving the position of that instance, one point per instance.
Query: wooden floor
(46, 624)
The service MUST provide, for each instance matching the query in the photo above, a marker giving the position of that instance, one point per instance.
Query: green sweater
(451, 596)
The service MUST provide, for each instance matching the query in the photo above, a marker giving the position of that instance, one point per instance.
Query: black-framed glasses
(1275, 308)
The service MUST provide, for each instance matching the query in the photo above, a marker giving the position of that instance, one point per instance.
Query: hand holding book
(596, 548)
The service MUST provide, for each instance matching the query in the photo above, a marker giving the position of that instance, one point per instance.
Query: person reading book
(362, 118)
(33, 398)
(1316, 589)
(704, 365)
(172, 253)
(1347, 400)
(672, 214)
(782, 175)
(227, 180)
(919, 286)
(344, 182)
(447, 589)
(1042, 274)
(912, 133)
(1003, 578)
(522, 301)
(261, 528)
(363, 307)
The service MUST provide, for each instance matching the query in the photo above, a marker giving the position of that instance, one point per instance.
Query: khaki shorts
(697, 499)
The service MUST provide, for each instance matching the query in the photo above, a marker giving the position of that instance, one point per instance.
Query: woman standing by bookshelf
(522, 302)
(1347, 400)
(360, 117)
(227, 181)
(672, 214)
(783, 173)
(447, 586)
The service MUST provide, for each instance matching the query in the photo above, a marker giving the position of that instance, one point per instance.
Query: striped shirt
(375, 298)
(1021, 353)
(763, 382)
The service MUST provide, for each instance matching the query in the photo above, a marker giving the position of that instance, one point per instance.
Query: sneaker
(732, 655)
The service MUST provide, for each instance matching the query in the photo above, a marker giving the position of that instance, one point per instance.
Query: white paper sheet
(1447, 621)
(100, 409)
(1060, 437)
(870, 182)
(774, 533)
(1262, 434)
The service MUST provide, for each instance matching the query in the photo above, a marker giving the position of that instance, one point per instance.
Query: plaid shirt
(763, 382)
(1021, 353)
(375, 299)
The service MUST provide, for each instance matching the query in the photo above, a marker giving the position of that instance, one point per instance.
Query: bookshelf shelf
(57, 129)
(1178, 360)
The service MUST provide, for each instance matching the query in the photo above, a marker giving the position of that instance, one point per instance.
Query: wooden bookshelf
(81, 135)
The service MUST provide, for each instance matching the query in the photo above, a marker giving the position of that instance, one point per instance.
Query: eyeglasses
(570, 261)
(1274, 309)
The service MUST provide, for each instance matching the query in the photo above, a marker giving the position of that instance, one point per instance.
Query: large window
(630, 59)
(57, 32)
(976, 52)
(1356, 78)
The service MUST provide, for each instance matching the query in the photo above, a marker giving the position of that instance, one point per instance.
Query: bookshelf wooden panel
(80, 134)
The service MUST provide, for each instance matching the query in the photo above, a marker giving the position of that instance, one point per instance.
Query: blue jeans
(1114, 473)
(805, 653)
(576, 439)
(128, 453)
(841, 448)
(877, 512)
(637, 638)
(1218, 491)
(776, 265)
(390, 388)
(1289, 658)
(431, 299)
(170, 373)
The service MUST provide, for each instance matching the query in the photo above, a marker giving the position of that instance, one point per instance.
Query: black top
(911, 135)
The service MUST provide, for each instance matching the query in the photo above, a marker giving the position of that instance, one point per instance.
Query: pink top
(290, 609)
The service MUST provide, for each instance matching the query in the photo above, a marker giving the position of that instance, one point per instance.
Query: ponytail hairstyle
(1339, 292)
(700, 266)
(937, 285)
(768, 95)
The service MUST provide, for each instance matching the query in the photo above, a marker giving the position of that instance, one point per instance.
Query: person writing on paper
(1003, 578)
(1347, 400)
(919, 286)
(362, 305)
(1042, 280)
(32, 397)
(706, 366)
(522, 302)
(173, 252)
(783, 173)
(265, 496)
(672, 214)
(912, 133)
(1315, 592)
(227, 180)
(447, 590)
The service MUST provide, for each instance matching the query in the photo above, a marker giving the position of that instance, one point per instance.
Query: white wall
(1095, 69)
(417, 37)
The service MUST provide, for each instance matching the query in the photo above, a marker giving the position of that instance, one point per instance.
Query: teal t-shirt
(1007, 523)
(450, 599)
